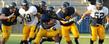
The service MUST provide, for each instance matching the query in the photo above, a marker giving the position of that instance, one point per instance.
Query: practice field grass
(84, 39)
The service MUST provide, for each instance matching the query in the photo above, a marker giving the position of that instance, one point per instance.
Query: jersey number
(99, 15)
(11, 19)
(28, 18)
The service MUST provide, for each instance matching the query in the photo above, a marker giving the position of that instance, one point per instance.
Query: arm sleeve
(4, 11)
(32, 10)
(90, 7)
(21, 11)
(106, 11)
(58, 11)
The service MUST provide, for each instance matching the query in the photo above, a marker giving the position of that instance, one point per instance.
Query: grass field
(84, 39)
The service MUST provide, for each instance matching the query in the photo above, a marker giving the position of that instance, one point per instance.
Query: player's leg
(5, 33)
(93, 34)
(46, 39)
(25, 36)
(101, 34)
(57, 29)
(40, 34)
(75, 32)
(32, 33)
(65, 34)
(60, 36)
(49, 39)
(55, 33)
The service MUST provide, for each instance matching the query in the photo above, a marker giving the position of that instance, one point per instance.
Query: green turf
(16, 40)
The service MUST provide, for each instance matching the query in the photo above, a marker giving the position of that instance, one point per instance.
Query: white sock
(29, 43)
(107, 22)
(57, 43)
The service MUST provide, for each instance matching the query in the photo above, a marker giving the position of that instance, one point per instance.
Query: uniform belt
(67, 24)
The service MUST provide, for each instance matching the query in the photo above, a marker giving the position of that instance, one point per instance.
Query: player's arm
(107, 15)
(107, 22)
(21, 18)
(32, 11)
(54, 16)
(87, 13)
(107, 18)
(76, 13)
(2, 16)
(5, 11)
(59, 16)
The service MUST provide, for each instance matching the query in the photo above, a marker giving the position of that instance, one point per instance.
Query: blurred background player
(11, 13)
(67, 13)
(42, 7)
(30, 21)
(98, 14)
(107, 23)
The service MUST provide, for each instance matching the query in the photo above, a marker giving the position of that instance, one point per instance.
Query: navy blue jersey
(46, 18)
(12, 20)
(66, 15)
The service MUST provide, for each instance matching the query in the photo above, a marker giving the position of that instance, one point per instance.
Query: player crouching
(48, 28)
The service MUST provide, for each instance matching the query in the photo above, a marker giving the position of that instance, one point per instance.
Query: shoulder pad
(5, 10)
(71, 10)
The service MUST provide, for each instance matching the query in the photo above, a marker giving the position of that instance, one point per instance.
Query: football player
(9, 18)
(67, 13)
(48, 27)
(41, 8)
(30, 21)
(98, 14)
(53, 15)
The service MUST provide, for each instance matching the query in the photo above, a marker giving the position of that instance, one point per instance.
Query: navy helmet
(42, 3)
(51, 8)
(12, 5)
(66, 4)
(99, 2)
(24, 3)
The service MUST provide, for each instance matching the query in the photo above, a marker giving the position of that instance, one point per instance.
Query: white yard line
(70, 36)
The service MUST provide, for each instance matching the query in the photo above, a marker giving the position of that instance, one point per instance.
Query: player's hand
(54, 28)
(107, 26)
(72, 19)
